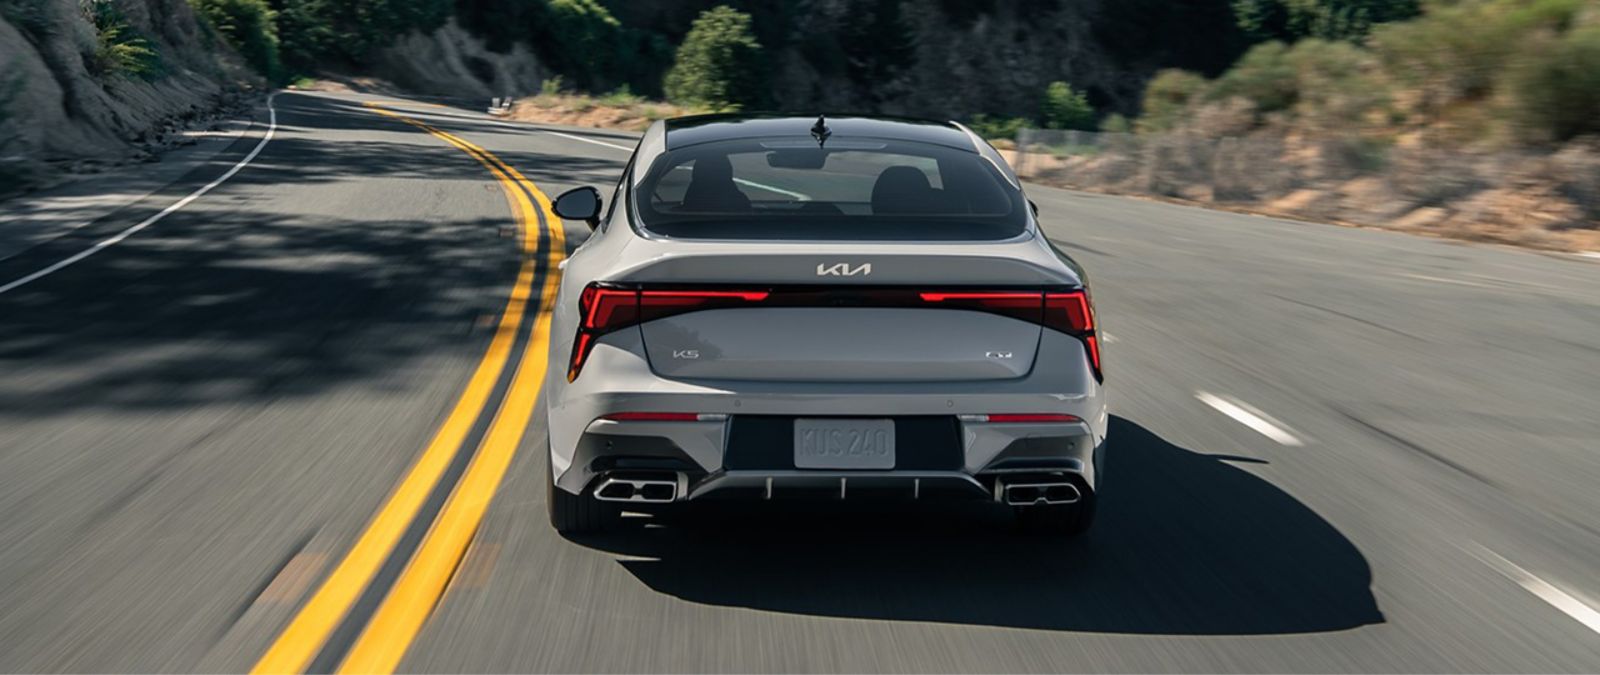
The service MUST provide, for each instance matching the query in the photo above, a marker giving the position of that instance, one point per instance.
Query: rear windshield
(851, 189)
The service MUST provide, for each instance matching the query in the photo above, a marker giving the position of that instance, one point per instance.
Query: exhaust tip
(1030, 494)
(637, 490)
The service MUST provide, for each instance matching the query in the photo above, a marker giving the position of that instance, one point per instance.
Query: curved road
(1334, 449)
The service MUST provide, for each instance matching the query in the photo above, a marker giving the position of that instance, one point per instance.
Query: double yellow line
(417, 590)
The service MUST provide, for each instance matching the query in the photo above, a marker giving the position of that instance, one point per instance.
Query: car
(782, 307)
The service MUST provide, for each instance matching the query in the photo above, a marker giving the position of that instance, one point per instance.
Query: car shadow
(1183, 543)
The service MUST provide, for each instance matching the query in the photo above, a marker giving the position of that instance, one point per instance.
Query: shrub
(1337, 84)
(1065, 108)
(119, 50)
(247, 26)
(1167, 98)
(1555, 93)
(996, 128)
(1264, 76)
(621, 97)
(718, 66)
(1116, 124)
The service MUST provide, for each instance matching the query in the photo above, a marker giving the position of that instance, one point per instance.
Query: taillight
(1015, 304)
(605, 309)
(1014, 418)
(664, 417)
(1073, 313)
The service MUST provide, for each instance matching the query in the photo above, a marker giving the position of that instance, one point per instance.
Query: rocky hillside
(85, 81)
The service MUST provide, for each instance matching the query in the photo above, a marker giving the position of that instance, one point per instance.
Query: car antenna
(820, 130)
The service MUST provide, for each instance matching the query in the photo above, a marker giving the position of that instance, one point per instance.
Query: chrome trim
(636, 489)
(1068, 493)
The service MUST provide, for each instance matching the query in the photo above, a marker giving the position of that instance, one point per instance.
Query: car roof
(696, 129)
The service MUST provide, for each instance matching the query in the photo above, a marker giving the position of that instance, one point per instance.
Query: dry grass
(607, 112)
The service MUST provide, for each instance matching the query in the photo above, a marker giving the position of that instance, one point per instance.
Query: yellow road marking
(385, 641)
(300, 641)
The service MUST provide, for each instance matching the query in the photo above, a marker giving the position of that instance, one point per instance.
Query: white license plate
(843, 444)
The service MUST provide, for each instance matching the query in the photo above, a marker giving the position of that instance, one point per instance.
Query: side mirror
(580, 204)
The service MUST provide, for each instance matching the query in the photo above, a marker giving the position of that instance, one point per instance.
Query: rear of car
(870, 312)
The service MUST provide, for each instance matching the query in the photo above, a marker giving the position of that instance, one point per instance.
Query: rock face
(450, 62)
(55, 109)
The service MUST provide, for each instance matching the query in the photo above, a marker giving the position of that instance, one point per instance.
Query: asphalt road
(1333, 449)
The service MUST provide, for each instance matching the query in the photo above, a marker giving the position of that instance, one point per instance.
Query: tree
(1066, 108)
(249, 27)
(1291, 20)
(719, 64)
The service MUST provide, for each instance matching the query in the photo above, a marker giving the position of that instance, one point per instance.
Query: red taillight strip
(996, 295)
(607, 308)
(1003, 418)
(664, 417)
(747, 296)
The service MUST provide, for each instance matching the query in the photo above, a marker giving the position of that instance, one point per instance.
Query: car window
(860, 189)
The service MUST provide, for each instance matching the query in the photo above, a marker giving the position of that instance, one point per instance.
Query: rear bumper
(750, 447)
(941, 457)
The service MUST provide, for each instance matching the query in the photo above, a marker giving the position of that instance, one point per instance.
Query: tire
(578, 513)
(1064, 520)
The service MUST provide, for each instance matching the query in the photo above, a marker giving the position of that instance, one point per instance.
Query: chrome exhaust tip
(1030, 494)
(638, 490)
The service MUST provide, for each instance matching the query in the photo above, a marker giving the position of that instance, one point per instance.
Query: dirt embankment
(79, 89)
(1547, 198)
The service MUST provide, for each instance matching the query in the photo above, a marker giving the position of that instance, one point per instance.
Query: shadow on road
(1184, 544)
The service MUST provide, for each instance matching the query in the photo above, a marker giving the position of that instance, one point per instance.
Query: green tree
(719, 64)
(1290, 20)
(1066, 108)
(249, 27)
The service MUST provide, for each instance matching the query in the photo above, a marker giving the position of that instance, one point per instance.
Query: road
(1333, 449)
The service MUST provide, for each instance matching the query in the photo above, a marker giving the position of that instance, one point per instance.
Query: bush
(119, 50)
(719, 64)
(1167, 98)
(249, 27)
(997, 128)
(621, 97)
(1264, 76)
(1116, 124)
(1065, 108)
(1555, 93)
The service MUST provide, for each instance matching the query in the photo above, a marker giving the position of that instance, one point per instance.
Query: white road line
(1107, 337)
(1540, 588)
(272, 127)
(1244, 414)
(1442, 280)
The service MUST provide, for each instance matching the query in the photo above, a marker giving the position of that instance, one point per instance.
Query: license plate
(843, 444)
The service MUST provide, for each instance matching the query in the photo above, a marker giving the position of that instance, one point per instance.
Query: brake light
(1020, 418)
(1024, 305)
(663, 417)
(605, 309)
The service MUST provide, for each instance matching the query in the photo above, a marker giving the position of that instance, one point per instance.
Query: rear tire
(578, 513)
(1063, 520)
